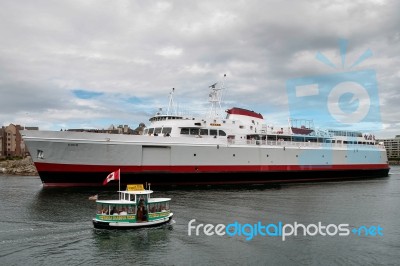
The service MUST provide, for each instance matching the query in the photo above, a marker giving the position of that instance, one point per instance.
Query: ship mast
(215, 98)
(171, 102)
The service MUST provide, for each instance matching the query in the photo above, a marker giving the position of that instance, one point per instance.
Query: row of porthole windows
(323, 156)
(234, 155)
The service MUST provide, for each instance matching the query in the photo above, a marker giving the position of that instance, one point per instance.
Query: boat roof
(138, 192)
(116, 201)
(152, 200)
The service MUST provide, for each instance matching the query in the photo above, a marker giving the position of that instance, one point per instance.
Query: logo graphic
(346, 99)
(281, 230)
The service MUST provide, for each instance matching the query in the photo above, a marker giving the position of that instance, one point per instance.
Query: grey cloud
(143, 49)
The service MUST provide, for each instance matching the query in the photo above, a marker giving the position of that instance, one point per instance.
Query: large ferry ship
(235, 148)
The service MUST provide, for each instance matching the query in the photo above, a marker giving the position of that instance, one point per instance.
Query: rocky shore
(18, 167)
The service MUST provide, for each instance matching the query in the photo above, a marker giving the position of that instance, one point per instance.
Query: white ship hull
(84, 159)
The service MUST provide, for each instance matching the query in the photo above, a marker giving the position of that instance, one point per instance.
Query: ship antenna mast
(215, 98)
(171, 101)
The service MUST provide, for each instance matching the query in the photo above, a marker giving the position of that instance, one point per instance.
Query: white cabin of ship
(243, 125)
(238, 123)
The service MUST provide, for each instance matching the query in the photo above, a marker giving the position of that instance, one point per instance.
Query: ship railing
(283, 143)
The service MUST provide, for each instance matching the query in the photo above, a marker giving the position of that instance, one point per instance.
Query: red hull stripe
(51, 167)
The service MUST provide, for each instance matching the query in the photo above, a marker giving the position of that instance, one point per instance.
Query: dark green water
(53, 226)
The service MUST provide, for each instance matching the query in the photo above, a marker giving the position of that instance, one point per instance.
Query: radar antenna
(215, 98)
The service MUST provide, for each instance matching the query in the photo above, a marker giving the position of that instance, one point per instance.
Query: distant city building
(2, 154)
(139, 129)
(11, 142)
(121, 129)
(392, 147)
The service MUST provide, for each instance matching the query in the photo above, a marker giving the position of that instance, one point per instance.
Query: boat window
(194, 131)
(125, 196)
(221, 133)
(145, 131)
(167, 130)
(203, 131)
(115, 209)
(154, 207)
(184, 131)
(151, 130)
(101, 209)
(157, 130)
(213, 132)
(131, 209)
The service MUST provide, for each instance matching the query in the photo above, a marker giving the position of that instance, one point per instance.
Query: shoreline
(24, 167)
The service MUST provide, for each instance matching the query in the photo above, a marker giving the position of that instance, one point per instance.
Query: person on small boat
(123, 212)
(114, 211)
(141, 212)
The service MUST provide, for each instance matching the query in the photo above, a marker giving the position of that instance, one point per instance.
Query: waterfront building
(392, 148)
(2, 154)
(11, 142)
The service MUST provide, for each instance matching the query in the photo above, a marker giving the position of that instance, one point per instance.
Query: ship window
(203, 131)
(184, 131)
(194, 131)
(145, 131)
(197, 124)
(151, 130)
(157, 130)
(213, 132)
(166, 130)
(221, 133)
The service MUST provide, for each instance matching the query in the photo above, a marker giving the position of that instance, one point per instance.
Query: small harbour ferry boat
(134, 209)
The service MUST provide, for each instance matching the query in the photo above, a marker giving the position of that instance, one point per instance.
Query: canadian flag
(113, 176)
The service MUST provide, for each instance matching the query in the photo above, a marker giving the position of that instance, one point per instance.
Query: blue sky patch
(134, 100)
(84, 94)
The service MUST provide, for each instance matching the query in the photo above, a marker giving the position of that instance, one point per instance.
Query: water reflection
(134, 244)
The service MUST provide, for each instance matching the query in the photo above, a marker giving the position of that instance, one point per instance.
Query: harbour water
(53, 226)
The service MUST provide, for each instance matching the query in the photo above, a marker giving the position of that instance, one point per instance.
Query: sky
(90, 64)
